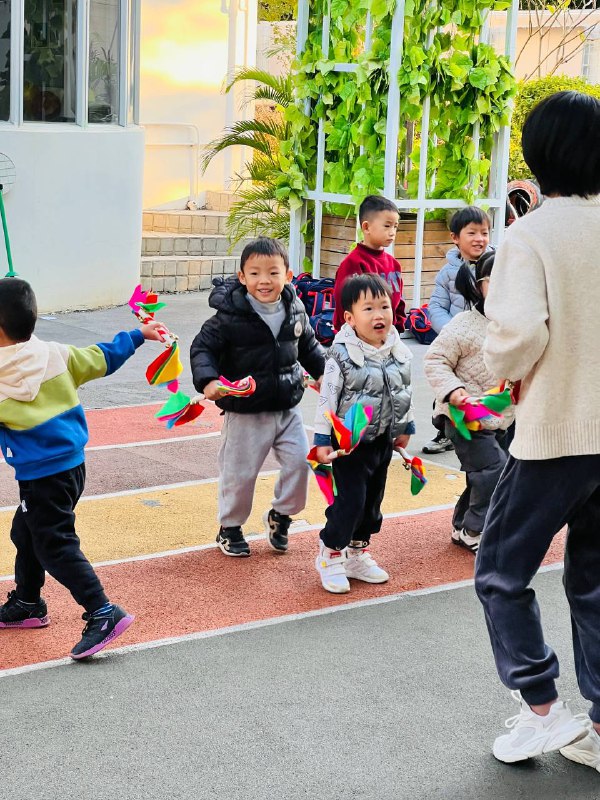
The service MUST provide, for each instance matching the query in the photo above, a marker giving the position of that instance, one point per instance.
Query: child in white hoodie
(43, 433)
(369, 364)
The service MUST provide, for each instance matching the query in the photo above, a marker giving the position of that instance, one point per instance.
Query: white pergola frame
(499, 159)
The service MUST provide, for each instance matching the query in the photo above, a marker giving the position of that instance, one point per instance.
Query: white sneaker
(362, 566)
(330, 565)
(532, 734)
(467, 539)
(587, 750)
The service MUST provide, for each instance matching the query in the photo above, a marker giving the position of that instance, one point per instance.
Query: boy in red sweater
(378, 219)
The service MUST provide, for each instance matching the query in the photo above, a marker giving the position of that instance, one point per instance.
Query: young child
(470, 232)
(455, 369)
(260, 329)
(369, 364)
(546, 279)
(378, 219)
(44, 433)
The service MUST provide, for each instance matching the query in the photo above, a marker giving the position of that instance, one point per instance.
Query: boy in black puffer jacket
(260, 329)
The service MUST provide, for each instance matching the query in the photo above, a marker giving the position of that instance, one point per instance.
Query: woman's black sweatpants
(533, 501)
(360, 478)
(43, 531)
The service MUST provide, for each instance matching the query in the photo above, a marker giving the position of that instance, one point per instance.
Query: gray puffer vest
(384, 385)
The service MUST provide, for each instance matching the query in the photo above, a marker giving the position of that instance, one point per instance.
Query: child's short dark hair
(373, 204)
(357, 286)
(18, 309)
(263, 246)
(465, 216)
(561, 144)
(469, 285)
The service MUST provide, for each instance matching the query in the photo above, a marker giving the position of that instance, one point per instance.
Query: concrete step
(219, 201)
(155, 243)
(196, 222)
(184, 274)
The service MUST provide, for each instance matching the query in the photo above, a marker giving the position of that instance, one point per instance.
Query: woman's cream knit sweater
(455, 359)
(544, 310)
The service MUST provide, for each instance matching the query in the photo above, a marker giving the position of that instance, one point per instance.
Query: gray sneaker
(438, 445)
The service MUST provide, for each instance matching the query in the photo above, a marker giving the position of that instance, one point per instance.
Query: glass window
(4, 59)
(49, 84)
(103, 104)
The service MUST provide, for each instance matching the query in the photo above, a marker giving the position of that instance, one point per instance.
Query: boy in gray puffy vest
(369, 364)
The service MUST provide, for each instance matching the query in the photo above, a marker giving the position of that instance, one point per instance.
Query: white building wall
(74, 213)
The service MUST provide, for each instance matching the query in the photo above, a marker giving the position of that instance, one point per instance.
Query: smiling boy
(260, 329)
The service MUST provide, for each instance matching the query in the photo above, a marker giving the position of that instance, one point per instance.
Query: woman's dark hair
(561, 144)
(18, 309)
(263, 246)
(357, 286)
(468, 284)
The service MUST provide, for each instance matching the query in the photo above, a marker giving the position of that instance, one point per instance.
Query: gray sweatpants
(246, 440)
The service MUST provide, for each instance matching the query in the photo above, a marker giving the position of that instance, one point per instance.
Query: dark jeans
(360, 478)
(482, 459)
(533, 501)
(43, 531)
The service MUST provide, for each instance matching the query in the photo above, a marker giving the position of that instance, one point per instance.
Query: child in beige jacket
(455, 369)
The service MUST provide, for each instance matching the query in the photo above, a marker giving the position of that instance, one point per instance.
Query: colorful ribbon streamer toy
(351, 429)
(468, 416)
(242, 388)
(166, 369)
(324, 475)
(418, 476)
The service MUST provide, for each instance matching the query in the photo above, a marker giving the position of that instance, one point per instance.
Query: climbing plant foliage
(467, 81)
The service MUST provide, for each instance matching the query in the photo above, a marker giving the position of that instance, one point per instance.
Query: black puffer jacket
(236, 342)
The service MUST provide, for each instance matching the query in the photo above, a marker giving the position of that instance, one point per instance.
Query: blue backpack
(316, 295)
(418, 323)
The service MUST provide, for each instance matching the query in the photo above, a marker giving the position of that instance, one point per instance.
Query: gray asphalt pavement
(388, 702)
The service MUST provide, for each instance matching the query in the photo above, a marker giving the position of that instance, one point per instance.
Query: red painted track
(205, 590)
(137, 424)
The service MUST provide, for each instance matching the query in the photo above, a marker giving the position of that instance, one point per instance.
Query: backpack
(316, 295)
(419, 325)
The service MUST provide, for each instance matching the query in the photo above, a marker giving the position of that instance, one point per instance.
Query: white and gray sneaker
(362, 566)
(587, 750)
(531, 734)
(331, 565)
(467, 539)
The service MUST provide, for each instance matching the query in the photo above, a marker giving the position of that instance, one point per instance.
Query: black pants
(43, 531)
(482, 459)
(533, 501)
(360, 478)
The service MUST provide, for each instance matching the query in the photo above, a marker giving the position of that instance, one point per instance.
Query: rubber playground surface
(240, 677)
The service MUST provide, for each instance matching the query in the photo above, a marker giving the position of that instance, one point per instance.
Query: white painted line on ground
(152, 442)
(250, 626)
(250, 538)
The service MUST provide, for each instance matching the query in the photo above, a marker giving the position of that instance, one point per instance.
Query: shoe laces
(233, 534)
(364, 556)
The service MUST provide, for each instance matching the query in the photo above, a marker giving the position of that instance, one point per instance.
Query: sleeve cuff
(137, 337)
(322, 440)
(410, 429)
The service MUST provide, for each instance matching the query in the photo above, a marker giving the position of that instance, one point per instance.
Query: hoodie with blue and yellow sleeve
(43, 429)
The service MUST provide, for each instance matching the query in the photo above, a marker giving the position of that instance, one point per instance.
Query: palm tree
(258, 211)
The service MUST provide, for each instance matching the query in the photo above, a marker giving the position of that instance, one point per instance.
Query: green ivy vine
(442, 57)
